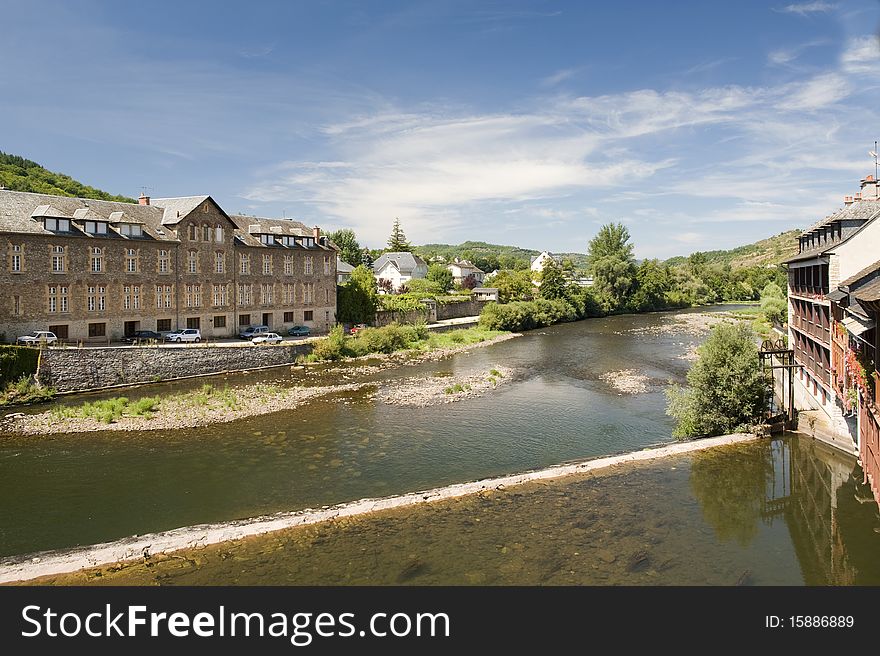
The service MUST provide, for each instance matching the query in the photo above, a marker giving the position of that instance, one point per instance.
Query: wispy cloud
(785, 56)
(558, 77)
(861, 55)
(256, 51)
(806, 8)
(707, 66)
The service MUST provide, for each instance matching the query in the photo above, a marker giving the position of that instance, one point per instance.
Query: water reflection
(781, 512)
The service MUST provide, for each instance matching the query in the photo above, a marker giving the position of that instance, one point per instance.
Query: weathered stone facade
(184, 270)
(78, 369)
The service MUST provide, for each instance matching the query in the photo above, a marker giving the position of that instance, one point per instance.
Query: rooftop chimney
(317, 234)
(870, 188)
(143, 199)
(847, 200)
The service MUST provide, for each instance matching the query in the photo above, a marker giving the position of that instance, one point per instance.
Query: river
(62, 491)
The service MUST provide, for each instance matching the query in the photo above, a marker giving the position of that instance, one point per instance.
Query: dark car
(299, 331)
(142, 336)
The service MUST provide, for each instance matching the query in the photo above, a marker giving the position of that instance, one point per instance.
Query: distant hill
(20, 174)
(489, 257)
(772, 250)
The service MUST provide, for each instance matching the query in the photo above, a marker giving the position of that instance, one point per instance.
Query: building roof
(343, 267)
(864, 273)
(870, 293)
(404, 262)
(248, 229)
(19, 212)
(177, 208)
(863, 210)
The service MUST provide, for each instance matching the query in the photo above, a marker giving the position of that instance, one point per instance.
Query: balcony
(817, 331)
(808, 291)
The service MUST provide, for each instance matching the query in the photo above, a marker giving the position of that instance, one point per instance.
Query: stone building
(97, 270)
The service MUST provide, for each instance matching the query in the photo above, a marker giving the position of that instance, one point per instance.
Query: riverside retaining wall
(459, 309)
(80, 369)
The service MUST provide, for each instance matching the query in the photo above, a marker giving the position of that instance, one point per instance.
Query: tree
(469, 282)
(397, 242)
(367, 258)
(440, 275)
(356, 300)
(553, 283)
(426, 286)
(612, 265)
(727, 388)
(514, 285)
(349, 249)
(773, 304)
(654, 282)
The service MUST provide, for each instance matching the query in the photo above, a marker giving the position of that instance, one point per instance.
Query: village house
(98, 270)
(537, 262)
(463, 269)
(828, 322)
(343, 271)
(398, 269)
(485, 294)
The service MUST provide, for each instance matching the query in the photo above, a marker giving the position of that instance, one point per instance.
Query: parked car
(267, 338)
(142, 336)
(299, 331)
(253, 331)
(357, 328)
(185, 335)
(38, 337)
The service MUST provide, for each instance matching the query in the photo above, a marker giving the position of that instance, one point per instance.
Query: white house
(399, 268)
(538, 261)
(461, 269)
(343, 271)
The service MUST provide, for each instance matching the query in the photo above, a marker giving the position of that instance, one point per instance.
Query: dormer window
(268, 240)
(56, 225)
(308, 242)
(95, 227)
(131, 230)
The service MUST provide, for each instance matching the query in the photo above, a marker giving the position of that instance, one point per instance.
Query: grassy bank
(24, 390)
(393, 338)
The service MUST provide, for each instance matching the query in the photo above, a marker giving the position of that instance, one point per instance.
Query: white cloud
(816, 93)
(861, 55)
(781, 57)
(805, 8)
(558, 77)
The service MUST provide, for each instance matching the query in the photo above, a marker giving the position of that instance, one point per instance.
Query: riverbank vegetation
(108, 411)
(726, 386)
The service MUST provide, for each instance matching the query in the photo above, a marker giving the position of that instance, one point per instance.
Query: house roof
(343, 267)
(20, 211)
(864, 273)
(870, 293)
(403, 262)
(863, 210)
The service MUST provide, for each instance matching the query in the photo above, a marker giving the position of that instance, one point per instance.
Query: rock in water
(637, 561)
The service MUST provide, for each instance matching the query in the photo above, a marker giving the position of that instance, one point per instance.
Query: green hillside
(489, 257)
(772, 250)
(20, 174)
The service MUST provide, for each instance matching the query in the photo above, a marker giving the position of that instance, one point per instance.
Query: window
(97, 259)
(244, 320)
(266, 294)
(244, 294)
(326, 296)
(192, 233)
(307, 265)
(327, 316)
(308, 293)
(206, 233)
(219, 262)
(267, 265)
(15, 258)
(131, 230)
(60, 331)
(131, 260)
(126, 297)
(16, 305)
(288, 265)
(219, 295)
(288, 294)
(326, 266)
(59, 259)
(244, 264)
(57, 225)
(97, 330)
(308, 315)
(268, 240)
(96, 227)
(163, 325)
(164, 261)
(136, 297)
(218, 234)
(288, 317)
(193, 262)
(220, 321)
(96, 298)
(58, 299)
(164, 295)
(193, 295)
(193, 322)
(308, 242)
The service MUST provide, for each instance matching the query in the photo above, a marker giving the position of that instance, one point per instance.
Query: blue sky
(700, 125)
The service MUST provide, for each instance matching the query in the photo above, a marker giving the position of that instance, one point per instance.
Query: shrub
(525, 315)
(727, 388)
(17, 362)
(331, 347)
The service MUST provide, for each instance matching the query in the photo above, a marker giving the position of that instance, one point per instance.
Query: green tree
(553, 283)
(349, 249)
(654, 282)
(612, 265)
(514, 285)
(727, 388)
(426, 286)
(367, 258)
(440, 275)
(357, 300)
(773, 304)
(397, 242)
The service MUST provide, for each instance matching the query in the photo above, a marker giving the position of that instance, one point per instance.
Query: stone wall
(79, 369)
(385, 317)
(459, 309)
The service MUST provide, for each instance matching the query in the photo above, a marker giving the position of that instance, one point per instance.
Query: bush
(525, 315)
(17, 362)
(331, 347)
(727, 388)
(775, 310)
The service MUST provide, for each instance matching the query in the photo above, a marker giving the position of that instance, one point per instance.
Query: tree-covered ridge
(20, 174)
(773, 250)
(489, 257)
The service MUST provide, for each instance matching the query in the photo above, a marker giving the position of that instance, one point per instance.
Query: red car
(356, 328)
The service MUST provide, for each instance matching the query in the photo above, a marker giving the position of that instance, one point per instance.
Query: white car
(38, 337)
(267, 338)
(185, 335)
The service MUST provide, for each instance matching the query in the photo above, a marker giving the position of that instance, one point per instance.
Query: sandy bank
(20, 568)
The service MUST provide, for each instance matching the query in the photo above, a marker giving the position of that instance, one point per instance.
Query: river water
(61, 491)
